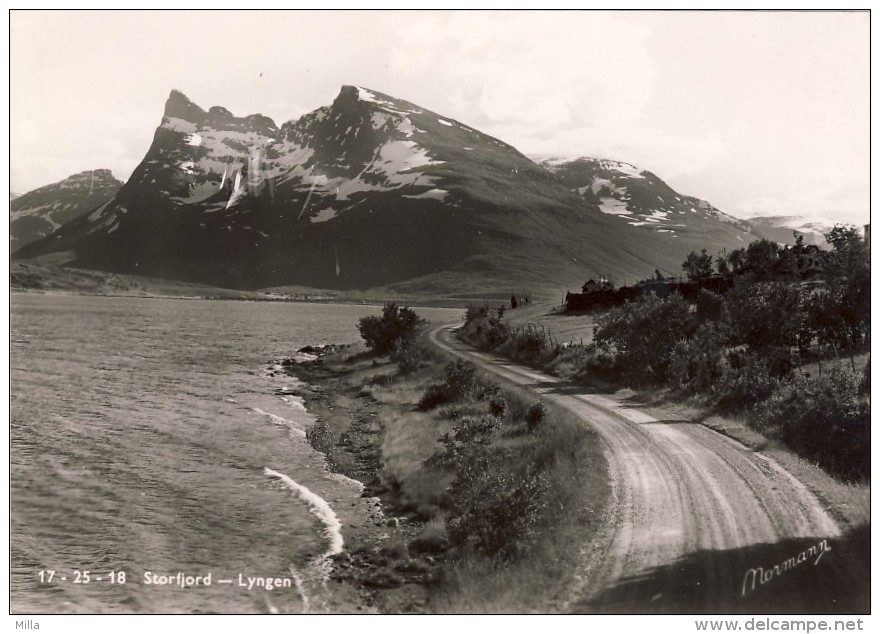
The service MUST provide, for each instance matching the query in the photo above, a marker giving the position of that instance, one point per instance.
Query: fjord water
(146, 436)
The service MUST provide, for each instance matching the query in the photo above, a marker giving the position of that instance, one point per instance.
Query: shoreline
(430, 547)
(375, 564)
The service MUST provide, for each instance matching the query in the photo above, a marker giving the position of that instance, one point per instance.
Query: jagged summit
(179, 105)
(369, 191)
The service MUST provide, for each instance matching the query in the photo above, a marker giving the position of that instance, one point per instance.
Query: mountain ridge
(369, 191)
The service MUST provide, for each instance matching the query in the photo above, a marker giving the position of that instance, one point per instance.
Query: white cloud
(536, 69)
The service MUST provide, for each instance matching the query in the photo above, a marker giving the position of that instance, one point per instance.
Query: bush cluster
(397, 324)
(826, 419)
(460, 382)
(495, 511)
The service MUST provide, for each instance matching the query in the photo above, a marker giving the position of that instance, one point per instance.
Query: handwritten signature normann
(763, 575)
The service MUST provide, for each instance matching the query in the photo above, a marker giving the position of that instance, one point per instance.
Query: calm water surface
(146, 437)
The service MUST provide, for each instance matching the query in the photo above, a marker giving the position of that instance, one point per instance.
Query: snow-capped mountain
(781, 229)
(639, 198)
(370, 191)
(42, 211)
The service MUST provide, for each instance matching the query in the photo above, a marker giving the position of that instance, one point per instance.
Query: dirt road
(698, 523)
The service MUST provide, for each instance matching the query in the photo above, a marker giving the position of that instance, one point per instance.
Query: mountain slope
(368, 192)
(41, 212)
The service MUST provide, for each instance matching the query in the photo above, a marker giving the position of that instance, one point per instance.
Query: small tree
(382, 333)
(698, 267)
(641, 335)
(768, 317)
(761, 259)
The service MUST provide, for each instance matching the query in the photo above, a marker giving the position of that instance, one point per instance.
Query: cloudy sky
(759, 113)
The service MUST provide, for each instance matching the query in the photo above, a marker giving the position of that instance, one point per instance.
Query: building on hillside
(592, 286)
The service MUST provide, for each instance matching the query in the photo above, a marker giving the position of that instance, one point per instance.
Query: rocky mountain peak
(179, 106)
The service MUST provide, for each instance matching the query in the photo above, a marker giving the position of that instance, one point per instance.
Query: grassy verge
(488, 495)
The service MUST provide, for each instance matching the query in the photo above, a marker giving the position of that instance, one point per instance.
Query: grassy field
(564, 327)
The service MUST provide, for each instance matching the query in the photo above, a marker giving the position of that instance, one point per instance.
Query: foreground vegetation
(490, 493)
(780, 348)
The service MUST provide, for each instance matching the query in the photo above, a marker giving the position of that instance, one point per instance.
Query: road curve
(692, 513)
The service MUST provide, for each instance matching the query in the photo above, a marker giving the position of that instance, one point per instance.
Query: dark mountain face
(368, 192)
(41, 212)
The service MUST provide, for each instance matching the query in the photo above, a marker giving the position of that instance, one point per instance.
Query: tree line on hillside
(762, 260)
(779, 346)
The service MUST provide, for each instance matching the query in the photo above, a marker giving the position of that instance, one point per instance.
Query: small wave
(296, 402)
(357, 484)
(295, 429)
(319, 508)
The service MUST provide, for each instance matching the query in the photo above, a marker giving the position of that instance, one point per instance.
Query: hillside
(41, 212)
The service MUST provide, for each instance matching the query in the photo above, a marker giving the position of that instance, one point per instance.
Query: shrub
(468, 433)
(474, 311)
(497, 406)
(642, 335)
(529, 345)
(744, 381)
(461, 378)
(696, 364)
(461, 382)
(409, 354)
(396, 323)
(431, 540)
(766, 315)
(825, 419)
(493, 511)
(434, 395)
(535, 415)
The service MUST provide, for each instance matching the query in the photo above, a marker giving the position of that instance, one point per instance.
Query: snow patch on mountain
(292, 162)
(324, 215)
(407, 128)
(437, 194)
(29, 211)
(401, 156)
(179, 125)
(613, 207)
(198, 193)
(625, 168)
(389, 106)
(378, 119)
